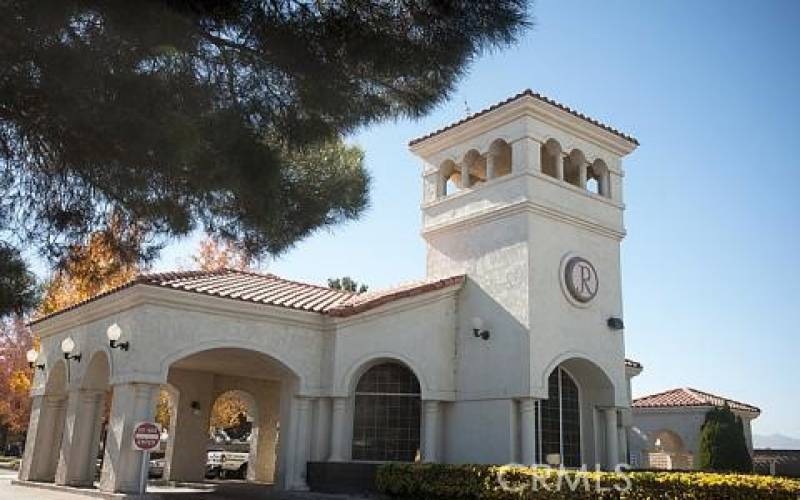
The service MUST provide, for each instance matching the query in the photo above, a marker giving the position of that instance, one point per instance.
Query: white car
(156, 468)
(226, 464)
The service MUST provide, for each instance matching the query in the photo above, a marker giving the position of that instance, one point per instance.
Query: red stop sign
(146, 436)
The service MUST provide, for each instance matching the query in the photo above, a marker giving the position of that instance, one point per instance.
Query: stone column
(132, 403)
(302, 448)
(338, 424)
(560, 160)
(322, 430)
(188, 428)
(464, 166)
(527, 419)
(612, 438)
(623, 444)
(582, 170)
(43, 442)
(431, 424)
(526, 155)
(263, 442)
(432, 186)
(80, 441)
(603, 183)
(491, 159)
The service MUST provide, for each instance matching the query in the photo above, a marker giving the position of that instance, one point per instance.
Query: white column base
(527, 422)
(612, 438)
(122, 465)
(430, 443)
(338, 423)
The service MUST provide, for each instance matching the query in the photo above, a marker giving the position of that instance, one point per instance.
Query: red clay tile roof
(527, 93)
(632, 364)
(272, 290)
(688, 397)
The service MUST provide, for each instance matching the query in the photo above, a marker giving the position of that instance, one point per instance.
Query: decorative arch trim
(566, 356)
(347, 384)
(184, 352)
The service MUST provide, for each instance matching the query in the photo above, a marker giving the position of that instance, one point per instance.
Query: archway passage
(669, 452)
(43, 442)
(578, 423)
(199, 380)
(83, 445)
(387, 418)
(233, 430)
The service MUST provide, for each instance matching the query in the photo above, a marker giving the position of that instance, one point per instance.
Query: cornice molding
(522, 207)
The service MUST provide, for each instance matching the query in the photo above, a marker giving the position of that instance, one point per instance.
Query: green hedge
(481, 482)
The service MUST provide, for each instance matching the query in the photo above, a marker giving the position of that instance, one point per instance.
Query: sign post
(146, 437)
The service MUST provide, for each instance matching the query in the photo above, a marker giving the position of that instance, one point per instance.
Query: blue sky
(711, 280)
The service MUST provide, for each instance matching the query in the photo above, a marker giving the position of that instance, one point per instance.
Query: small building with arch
(510, 349)
(667, 425)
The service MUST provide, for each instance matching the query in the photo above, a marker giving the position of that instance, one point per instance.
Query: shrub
(482, 482)
(722, 443)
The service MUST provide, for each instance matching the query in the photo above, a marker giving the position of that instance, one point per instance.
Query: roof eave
(534, 105)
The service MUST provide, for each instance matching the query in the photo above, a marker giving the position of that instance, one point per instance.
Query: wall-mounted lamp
(195, 406)
(113, 333)
(478, 330)
(32, 355)
(67, 346)
(615, 323)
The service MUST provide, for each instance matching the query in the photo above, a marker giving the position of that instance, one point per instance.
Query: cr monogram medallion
(581, 280)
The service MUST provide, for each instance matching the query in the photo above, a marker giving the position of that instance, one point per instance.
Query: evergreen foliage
(226, 113)
(723, 446)
(227, 116)
(348, 284)
(18, 289)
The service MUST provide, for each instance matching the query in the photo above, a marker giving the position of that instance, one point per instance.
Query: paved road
(9, 492)
(228, 491)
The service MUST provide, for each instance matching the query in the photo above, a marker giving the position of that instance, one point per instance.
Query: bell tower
(526, 199)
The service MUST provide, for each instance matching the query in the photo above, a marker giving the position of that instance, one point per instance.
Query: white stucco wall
(509, 235)
(685, 422)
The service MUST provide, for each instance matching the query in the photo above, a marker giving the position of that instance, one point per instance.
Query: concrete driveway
(221, 491)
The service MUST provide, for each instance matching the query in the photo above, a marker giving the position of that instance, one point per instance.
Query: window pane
(571, 421)
(386, 424)
(388, 378)
(551, 427)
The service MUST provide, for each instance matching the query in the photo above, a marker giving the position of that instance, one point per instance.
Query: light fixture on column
(195, 406)
(32, 355)
(67, 346)
(478, 330)
(113, 333)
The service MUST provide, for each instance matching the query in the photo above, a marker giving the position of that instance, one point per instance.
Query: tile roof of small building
(523, 94)
(272, 290)
(686, 397)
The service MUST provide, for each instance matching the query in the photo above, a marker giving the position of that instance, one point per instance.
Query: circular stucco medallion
(581, 280)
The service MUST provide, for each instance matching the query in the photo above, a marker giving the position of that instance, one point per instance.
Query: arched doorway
(559, 421)
(43, 442)
(83, 444)
(578, 423)
(199, 380)
(668, 452)
(387, 415)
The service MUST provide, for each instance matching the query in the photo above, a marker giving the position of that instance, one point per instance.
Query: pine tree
(348, 284)
(224, 116)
